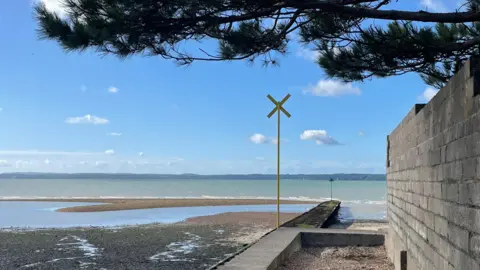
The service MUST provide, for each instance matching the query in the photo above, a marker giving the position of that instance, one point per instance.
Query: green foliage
(352, 46)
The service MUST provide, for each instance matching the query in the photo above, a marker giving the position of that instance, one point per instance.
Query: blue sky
(86, 113)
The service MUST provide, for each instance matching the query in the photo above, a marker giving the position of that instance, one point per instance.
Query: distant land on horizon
(187, 176)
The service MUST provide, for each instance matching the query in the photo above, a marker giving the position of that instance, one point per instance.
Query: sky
(83, 112)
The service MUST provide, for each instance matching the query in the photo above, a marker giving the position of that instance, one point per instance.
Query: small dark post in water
(331, 189)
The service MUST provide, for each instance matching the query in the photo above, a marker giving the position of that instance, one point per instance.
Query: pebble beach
(195, 243)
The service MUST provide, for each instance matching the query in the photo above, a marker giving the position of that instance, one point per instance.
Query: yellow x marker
(279, 105)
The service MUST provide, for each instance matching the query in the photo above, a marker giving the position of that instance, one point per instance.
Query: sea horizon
(189, 176)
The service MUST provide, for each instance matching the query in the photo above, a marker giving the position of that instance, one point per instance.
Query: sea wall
(433, 179)
(318, 217)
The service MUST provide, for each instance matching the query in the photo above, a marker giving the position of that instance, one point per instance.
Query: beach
(157, 224)
(195, 243)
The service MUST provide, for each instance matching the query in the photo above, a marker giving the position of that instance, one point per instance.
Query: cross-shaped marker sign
(279, 105)
(277, 109)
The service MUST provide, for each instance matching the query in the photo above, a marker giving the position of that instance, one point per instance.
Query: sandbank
(132, 204)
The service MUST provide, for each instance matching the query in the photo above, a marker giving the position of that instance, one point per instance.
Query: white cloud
(311, 55)
(165, 165)
(4, 163)
(428, 94)
(328, 88)
(22, 163)
(308, 54)
(115, 134)
(44, 153)
(101, 164)
(140, 154)
(360, 133)
(113, 89)
(275, 140)
(110, 152)
(54, 6)
(319, 136)
(87, 119)
(258, 138)
(433, 5)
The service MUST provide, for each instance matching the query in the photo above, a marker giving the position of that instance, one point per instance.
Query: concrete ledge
(272, 250)
(341, 238)
(317, 217)
(268, 252)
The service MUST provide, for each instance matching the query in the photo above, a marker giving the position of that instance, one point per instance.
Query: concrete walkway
(275, 248)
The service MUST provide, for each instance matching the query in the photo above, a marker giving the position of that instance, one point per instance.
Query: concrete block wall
(433, 179)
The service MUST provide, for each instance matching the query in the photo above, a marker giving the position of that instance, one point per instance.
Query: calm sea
(360, 199)
(368, 192)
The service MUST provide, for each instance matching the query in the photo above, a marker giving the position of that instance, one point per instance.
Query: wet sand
(131, 204)
(196, 243)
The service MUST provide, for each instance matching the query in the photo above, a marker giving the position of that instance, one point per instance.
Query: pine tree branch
(360, 12)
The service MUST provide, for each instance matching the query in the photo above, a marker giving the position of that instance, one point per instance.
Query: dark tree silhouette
(356, 39)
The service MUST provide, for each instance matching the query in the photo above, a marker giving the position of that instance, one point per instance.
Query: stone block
(440, 175)
(437, 190)
(470, 193)
(449, 134)
(477, 169)
(424, 202)
(460, 260)
(476, 120)
(469, 125)
(439, 243)
(428, 189)
(461, 149)
(443, 154)
(435, 157)
(429, 219)
(441, 226)
(421, 229)
(474, 247)
(416, 199)
(437, 141)
(452, 171)
(465, 217)
(449, 108)
(451, 148)
(459, 126)
(458, 236)
(439, 262)
(469, 168)
(450, 192)
(472, 143)
(436, 206)
(419, 160)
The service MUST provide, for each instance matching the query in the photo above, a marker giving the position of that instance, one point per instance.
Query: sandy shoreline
(132, 204)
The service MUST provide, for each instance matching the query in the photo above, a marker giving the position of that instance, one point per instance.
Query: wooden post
(278, 108)
(403, 260)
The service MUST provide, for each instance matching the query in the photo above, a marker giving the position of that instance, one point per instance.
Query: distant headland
(337, 176)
